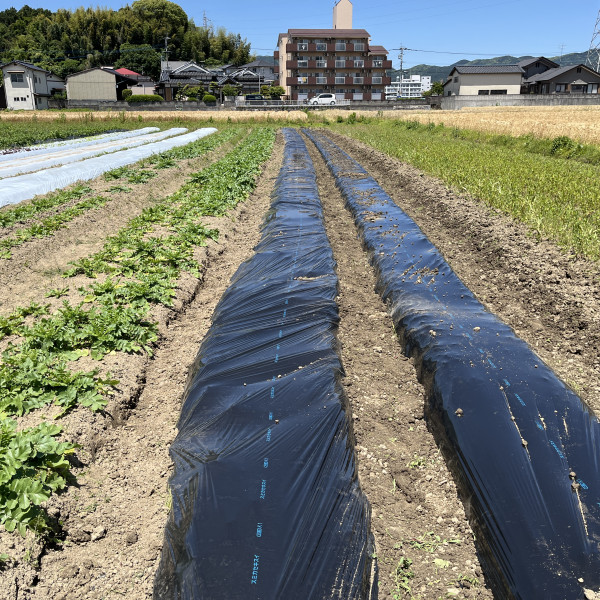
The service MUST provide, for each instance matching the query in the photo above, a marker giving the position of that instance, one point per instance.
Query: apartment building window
(377, 80)
(321, 46)
(302, 78)
(302, 62)
(303, 46)
(358, 45)
(16, 77)
(378, 62)
(321, 78)
(321, 62)
(358, 78)
(340, 64)
(339, 79)
(340, 45)
(359, 64)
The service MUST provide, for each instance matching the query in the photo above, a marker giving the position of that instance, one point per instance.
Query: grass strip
(556, 198)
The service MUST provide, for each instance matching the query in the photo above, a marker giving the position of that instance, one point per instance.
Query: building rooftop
(552, 73)
(529, 61)
(487, 69)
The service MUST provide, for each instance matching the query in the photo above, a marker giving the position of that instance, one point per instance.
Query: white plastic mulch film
(24, 187)
(64, 155)
(10, 154)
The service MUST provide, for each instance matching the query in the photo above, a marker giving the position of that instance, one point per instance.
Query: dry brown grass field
(582, 123)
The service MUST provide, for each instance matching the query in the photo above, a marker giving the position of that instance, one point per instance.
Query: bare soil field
(112, 520)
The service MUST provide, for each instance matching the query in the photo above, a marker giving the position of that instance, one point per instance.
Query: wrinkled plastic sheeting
(51, 147)
(514, 430)
(63, 156)
(266, 501)
(24, 187)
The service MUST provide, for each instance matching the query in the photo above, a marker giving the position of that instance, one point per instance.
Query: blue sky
(437, 31)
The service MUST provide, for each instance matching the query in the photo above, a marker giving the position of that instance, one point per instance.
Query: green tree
(141, 59)
(437, 89)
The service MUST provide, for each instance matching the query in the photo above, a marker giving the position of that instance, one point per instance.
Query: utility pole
(593, 55)
(167, 38)
(562, 49)
(401, 57)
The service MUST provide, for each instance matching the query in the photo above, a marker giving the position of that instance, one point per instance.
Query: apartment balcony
(359, 47)
(302, 64)
(339, 80)
(319, 64)
(320, 80)
(321, 47)
(358, 80)
(376, 81)
(340, 64)
(359, 64)
(340, 46)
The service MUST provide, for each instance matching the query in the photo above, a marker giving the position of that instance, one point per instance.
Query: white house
(28, 87)
(484, 80)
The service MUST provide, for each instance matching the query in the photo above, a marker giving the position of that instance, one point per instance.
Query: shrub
(127, 94)
(145, 98)
(209, 98)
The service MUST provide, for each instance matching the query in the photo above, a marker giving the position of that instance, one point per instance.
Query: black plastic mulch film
(514, 431)
(266, 500)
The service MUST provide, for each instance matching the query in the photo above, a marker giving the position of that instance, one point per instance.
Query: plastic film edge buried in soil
(522, 445)
(266, 502)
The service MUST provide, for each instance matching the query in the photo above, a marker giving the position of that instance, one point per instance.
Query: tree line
(68, 41)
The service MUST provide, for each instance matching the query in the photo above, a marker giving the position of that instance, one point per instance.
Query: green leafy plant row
(16, 134)
(143, 262)
(24, 212)
(33, 466)
(49, 225)
(557, 198)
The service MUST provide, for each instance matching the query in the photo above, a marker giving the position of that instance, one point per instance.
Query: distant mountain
(438, 73)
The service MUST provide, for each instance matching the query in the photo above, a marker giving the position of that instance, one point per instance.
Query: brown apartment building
(340, 61)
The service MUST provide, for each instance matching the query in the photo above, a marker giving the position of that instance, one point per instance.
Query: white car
(323, 99)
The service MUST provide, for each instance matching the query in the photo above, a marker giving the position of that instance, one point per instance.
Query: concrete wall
(92, 85)
(458, 102)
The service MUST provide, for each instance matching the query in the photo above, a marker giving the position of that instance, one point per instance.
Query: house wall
(342, 15)
(92, 85)
(469, 84)
(570, 76)
(282, 65)
(19, 95)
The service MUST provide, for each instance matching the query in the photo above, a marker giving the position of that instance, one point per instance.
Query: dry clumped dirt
(113, 518)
